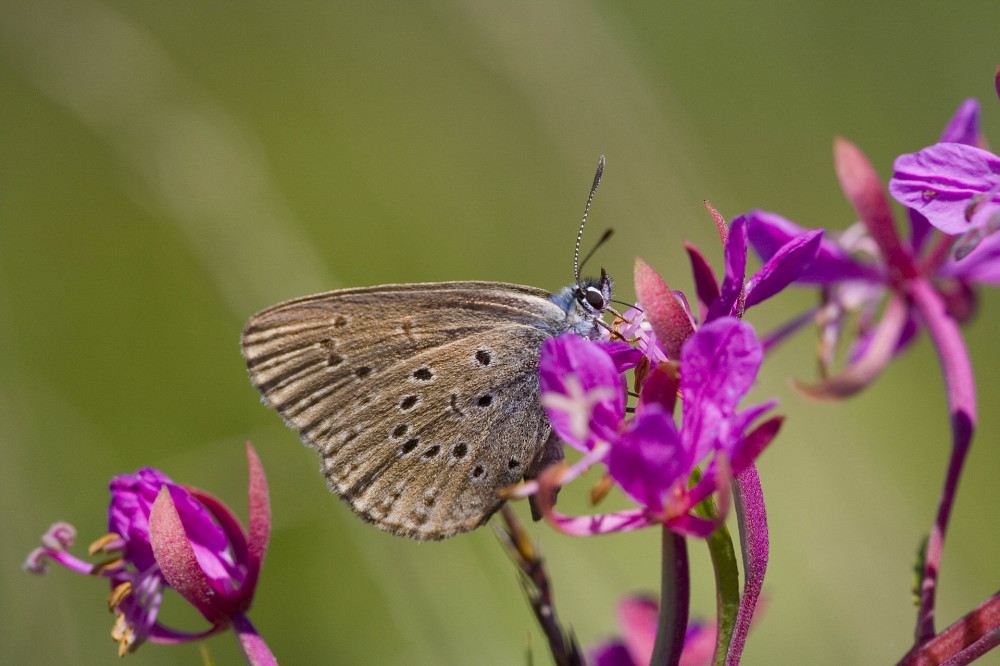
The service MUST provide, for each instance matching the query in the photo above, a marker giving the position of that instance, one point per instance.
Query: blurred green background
(168, 169)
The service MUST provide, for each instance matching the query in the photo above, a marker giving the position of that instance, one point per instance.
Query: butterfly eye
(595, 298)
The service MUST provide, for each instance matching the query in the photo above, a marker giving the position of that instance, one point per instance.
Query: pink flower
(648, 455)
(637, 616)
(166, 535)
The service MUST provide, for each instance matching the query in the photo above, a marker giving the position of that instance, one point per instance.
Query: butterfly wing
(422, 400)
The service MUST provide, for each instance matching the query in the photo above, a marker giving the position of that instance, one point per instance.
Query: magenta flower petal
(624, 355)
(732, 434)
(581, 390)
(693, 527)
(648, 458)
(964, 125)
(705, 284)
(660, 388)
(942, 182)
(610, 653)
(750, 447)
(235, 549)
(727, 304)
(718, 366)
(629, 520)
(784, 267)
(920, 231)
(132, 498)
(982, 265)
(769, 232)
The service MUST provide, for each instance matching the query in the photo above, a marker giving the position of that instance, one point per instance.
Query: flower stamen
(123, 633)
(108, 543)
(102, 568)
(118, 595)
(601, 489)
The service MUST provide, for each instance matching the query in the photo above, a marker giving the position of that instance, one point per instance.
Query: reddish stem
(254, 648)
(961, 390)
(963, 641)
(937, 255)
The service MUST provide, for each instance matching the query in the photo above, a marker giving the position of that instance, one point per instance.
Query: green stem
(727, 581)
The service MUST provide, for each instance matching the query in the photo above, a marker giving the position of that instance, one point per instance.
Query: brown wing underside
(422, 400)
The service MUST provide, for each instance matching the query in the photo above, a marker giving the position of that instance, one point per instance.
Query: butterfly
(422, 400)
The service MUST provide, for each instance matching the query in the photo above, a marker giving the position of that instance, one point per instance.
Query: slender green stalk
(727, 581)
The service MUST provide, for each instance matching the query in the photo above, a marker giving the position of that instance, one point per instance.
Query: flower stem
(937, 255)
(254, 648)
(961, 390)
(675, 592)
(727, 580)
(962, 642)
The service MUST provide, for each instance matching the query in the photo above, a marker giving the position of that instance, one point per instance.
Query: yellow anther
(98, 546)
(117, 595)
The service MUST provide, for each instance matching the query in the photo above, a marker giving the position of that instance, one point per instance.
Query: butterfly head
(584, 303)
(593, 295)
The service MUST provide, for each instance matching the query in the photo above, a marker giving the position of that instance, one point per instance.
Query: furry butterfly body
(421, 399)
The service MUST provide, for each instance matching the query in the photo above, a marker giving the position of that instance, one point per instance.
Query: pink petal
(720, 222)
(705, 284)
(755, 442)
(177, 560)
(260, 517)
(637, 617)
(864, 190)
(964, 125)
(670, 320)
(950, 184)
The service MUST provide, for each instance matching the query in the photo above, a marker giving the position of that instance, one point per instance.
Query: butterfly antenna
(579, 235)
(604, 238)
